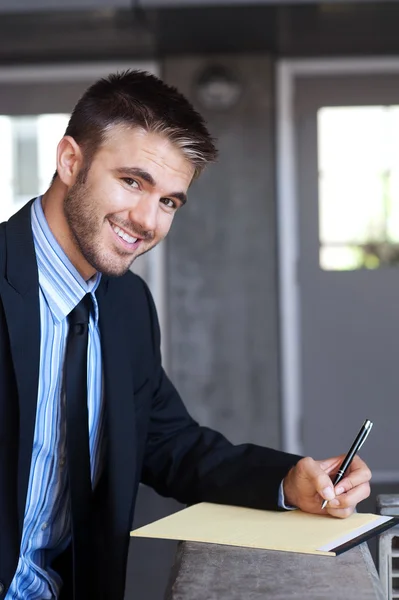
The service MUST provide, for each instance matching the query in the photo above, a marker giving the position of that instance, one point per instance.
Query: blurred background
(277, 288)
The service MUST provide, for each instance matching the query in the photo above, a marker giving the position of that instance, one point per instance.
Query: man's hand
(310, 482)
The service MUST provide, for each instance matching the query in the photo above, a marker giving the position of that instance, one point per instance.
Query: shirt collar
(62, 285)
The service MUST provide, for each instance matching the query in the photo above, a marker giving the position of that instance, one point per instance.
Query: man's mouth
(124, 235)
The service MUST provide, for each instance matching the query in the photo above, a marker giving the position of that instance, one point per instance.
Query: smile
(123, 234)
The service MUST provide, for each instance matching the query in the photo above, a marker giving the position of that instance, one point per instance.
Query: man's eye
(131, 182)
(169, 202)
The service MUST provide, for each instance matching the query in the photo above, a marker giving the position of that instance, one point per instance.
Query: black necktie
(78, 451)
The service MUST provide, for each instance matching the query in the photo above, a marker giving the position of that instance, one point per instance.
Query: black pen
(354, 449)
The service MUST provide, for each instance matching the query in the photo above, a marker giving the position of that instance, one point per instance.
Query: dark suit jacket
(150, 437)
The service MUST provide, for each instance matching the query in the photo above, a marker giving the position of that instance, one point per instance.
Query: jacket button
(1, 589)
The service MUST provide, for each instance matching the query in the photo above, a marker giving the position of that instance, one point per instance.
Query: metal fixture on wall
(217, 88)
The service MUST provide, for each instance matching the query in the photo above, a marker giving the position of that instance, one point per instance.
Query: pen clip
(368, 426)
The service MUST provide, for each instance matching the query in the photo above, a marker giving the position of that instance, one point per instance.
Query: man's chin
(116, 271)
(111, 270)
(114, 274)
(116, 267)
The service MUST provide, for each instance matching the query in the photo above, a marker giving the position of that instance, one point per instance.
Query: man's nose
(145, 213)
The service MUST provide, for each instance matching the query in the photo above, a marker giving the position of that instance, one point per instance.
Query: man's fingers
(340, 513)
(311, 471)
(351, 498)
(331, 465)
(358, 473)
(310, 482)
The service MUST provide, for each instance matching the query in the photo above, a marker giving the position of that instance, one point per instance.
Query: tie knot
(81, 313)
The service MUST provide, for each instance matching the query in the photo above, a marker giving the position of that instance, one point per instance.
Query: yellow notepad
(292, 531)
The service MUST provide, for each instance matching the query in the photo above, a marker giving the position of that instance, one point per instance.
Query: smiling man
(86, 410)
(122, 205)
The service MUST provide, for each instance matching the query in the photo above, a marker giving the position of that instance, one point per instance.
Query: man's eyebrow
(136, 172)
(179, 196)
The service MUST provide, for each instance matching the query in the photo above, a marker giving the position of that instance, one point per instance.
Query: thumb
(327, 492)
(318, 477)
(324, 486)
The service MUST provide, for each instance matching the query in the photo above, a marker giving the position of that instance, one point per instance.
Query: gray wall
(222, 264)
(221, 259)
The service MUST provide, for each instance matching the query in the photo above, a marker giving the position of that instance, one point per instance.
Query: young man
(131, 150)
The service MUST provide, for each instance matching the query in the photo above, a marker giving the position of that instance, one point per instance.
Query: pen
(354, 449)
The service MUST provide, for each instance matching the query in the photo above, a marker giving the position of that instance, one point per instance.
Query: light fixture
(217, 88)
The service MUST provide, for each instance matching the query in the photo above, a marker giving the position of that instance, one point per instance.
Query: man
(130, 153)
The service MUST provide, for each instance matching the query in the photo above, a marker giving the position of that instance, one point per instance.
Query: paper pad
(293, 531)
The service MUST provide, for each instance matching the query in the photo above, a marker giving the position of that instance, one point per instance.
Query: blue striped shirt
(46, 529)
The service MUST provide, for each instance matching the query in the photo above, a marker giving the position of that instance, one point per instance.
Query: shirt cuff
(281, 499)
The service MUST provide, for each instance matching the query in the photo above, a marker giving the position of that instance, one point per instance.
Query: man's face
(125, 206)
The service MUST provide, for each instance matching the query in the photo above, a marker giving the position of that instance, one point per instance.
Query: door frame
(287, 71)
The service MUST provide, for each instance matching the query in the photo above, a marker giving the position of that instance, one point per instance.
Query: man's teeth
(125, 236)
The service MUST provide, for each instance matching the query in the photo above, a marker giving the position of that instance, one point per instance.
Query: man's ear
(69, 160)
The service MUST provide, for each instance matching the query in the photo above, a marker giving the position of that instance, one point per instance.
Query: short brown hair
(139, 99)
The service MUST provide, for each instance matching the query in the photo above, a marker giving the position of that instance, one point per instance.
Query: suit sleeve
(196, 464)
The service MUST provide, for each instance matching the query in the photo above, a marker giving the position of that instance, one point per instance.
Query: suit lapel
(21, 306)
(19, 291)
(120, 414)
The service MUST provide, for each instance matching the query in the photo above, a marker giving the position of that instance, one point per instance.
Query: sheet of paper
(292, 531)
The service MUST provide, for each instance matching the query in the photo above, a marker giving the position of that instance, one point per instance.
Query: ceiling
(324, 29)
(15, 6)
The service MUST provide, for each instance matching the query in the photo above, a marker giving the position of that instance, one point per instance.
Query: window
(358, 161)
(28, 150)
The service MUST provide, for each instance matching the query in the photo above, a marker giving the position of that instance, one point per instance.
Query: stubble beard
(86, 226)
